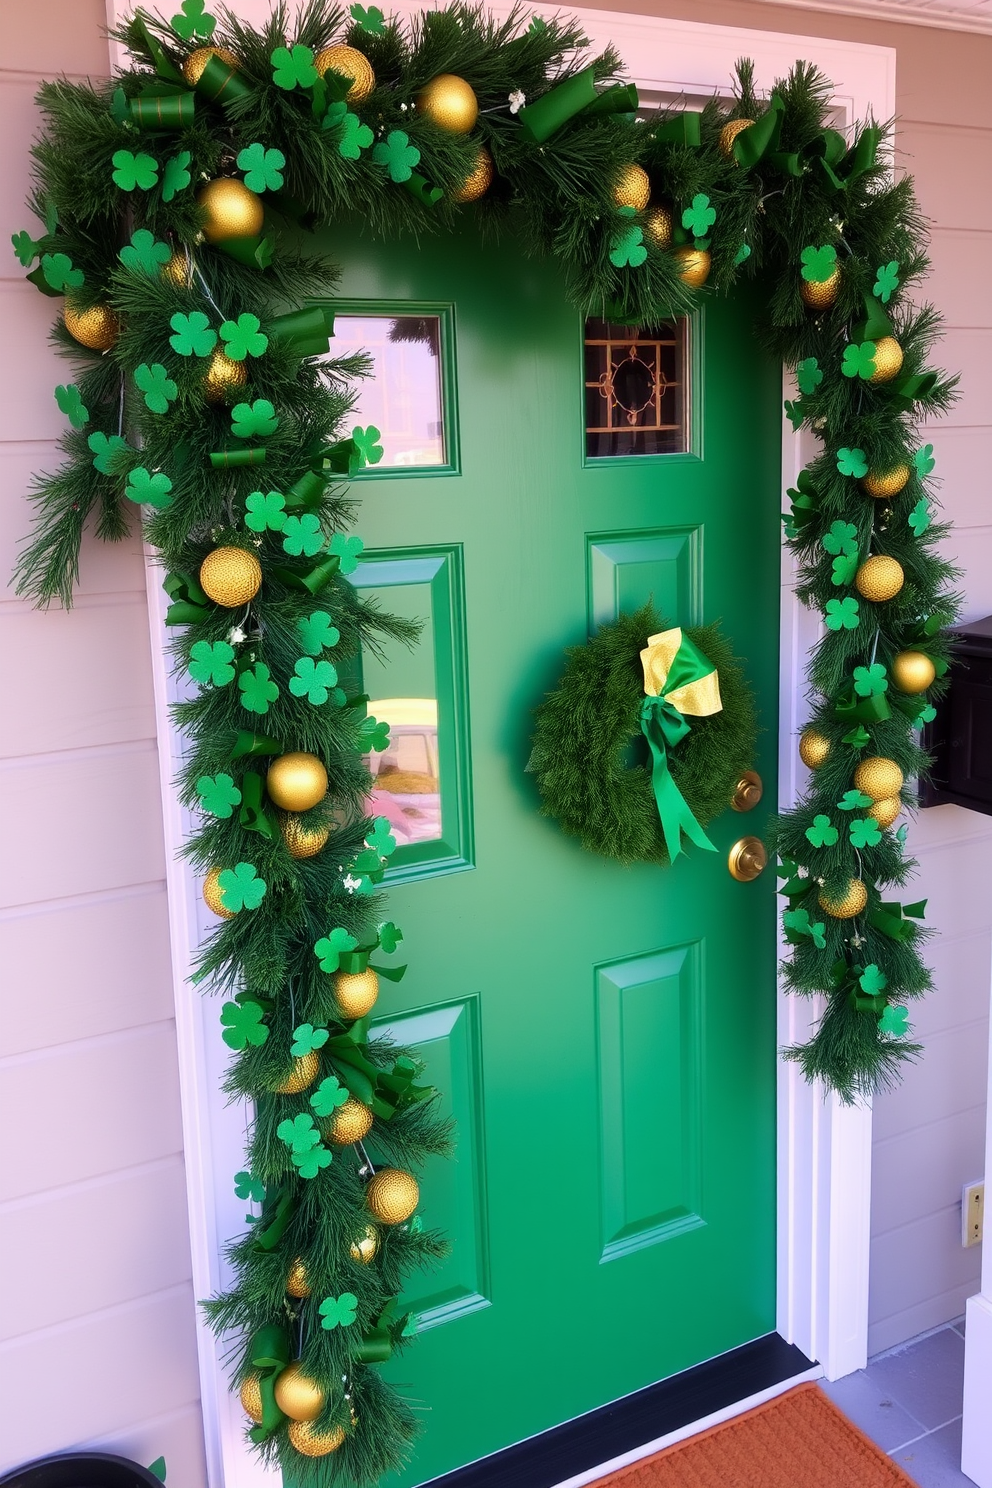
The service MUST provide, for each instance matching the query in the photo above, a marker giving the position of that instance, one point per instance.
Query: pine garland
(117, 176)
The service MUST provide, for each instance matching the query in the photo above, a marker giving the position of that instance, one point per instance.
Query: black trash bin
(81, 1470)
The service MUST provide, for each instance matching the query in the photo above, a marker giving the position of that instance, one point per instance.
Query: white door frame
(824, 1148)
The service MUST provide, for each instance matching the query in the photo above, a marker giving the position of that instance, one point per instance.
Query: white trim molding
(976, 1434)
(965, 15)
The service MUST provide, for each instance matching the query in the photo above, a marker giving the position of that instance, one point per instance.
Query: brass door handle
(747, 792)
(747, 858)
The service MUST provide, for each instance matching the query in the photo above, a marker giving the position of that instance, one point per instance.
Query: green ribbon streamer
(378, 1343)
(876, 323)
(620, 99)
(794, 886)
(907, 390)
(269, 1353)
(277, 1210)
(164, 65)
(540, 120)
(253, 815)
(840, 166)
(384, 1091)
(890, 918)
(682, 130)
(37, 278)
(307, 491)
(427, 195)
(235, 459)
(664, 726)
(754, 142)
(156, 108)
(254, 253)
(307, 331)
(189, 605)
(863, 710)
(246, 745)
(312, 579)
(221, 83)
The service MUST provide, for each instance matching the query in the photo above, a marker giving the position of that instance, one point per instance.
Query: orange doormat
(798, 1440)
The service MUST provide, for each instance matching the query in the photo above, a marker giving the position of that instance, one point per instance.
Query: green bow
(664, 726)
(839, 165)
(269, 1354)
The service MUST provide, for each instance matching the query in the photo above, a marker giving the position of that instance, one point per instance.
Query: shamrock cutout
(864, 832)
(338, 1311)
(373, 735)
(852, 462)
(210, 661)
(257, 690)
(370, 20)
(195, 336)
(70, 401)
(397, 155)
(842, 538)
(903, 831)
(309, 1164)
(328, 1096)
(347, 550)
(700, 216)
(853, 800)
(873, 980)
(390, 936)
(334, 115)
(870, 681)
(927, 715)
(742, 255)
(919, 517)
(157, 386)
(628, 248)
(302, 535)
(59, 273)
(293, 69)
(265, 512)
(859, 360)
(133, 171)
(144, 254)
(844, 568)
(218, 793)
(822, 833)
(262, 167)
(243, 337)
(251, 419)
(156, 489)
(317, 633)
(794, 412)
(923, 460)
(381, 839)
(243, 1024)
(369, 449)
(241, 888)
(842, 614)
(798, 922)
(25, 248)
(247, 1187)
(818, 264)
(194, 21)
(105, 450)
(298, 1132)
(858, 738)
(332, 947)
(313, 680)
(808, 375)
(176, 176)
(895, 1021)
(306, 1039)
(355, 137)
(887, 281)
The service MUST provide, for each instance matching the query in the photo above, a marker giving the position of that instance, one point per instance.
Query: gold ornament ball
(729, 133)
(305, 1070)
(194, 64)
(392, 1196)
(365, 1249)
(886, 810)
(878, 777)
(297, 1284)
(350, 1123)
(851, 902)
(296, 781)
(813, 748)
(879, 578)
(450, 103)
(232, 210)
(297, 1395)
(888, 359)
(251, 1398)
(230, 576)
(211, 894)
(695, 266)
(658, 226)
(179, 269)
(301, 841)
(96, 327)
(912, 671)
(223, 375)
(478, 181)
(820, 296)
(355, 992)
(885, 483)
(310, 1442)
(633, 188)
(351, 63)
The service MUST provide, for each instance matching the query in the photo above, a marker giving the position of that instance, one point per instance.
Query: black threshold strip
(626, 1424)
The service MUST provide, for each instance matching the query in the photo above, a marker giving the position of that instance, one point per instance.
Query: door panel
(604, 1037)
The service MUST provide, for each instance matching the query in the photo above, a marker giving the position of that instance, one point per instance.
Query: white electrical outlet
(972, 1213)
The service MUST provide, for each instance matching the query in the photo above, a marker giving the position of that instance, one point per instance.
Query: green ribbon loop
(664, 726)
(312, 579)
(307, 491)
(384, 1091)
(908, 390)
(221, 83)
(254, 253)
(682, 130)
(761, 137)
(425, 193)
(378, 1343)
(863, 710)
(893, 919)
(236, 458)
(622, 98)
(190, 606)
(543, 118)
(269, 1353)
(246, 745)
(828, 150)
(253, 816)
(162, 108)
(307, 331)
(163, 63)
(278, 1208)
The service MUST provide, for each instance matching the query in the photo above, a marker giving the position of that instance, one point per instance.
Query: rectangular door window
(403, 395)
(636, 388)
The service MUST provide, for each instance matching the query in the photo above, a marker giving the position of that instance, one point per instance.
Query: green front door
(605, 1036)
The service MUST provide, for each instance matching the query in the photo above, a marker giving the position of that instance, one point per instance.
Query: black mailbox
(960, 737)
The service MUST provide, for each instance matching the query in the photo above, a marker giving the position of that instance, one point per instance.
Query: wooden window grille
(636, 388)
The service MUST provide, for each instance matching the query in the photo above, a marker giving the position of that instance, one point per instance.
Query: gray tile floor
(908, 1400)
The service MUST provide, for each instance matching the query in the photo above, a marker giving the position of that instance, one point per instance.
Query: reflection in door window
(402, 395)
(636, 388)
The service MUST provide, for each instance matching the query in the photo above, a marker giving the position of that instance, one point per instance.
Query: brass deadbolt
(747, 792)
(747, 858)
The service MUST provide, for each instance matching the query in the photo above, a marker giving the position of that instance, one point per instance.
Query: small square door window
(636, 388)
(402, 395)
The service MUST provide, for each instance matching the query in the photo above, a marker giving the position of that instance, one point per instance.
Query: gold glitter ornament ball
(211, 894)
(310, 1442)
(230, 576)
(878, 777)
(392, 1195)
(729, 133)
(351, 63)
(694, 267)
(365, 1249)
(813, 748)
(296, 781)
(912, 671)
(232, 210)
(251, 1398)
(820, 296)
(351, 1122)
(885, 483)
(297, 1395)
(450, 103)
(305, 1070)
(886, 810)
(297, 1284)
(193, 65)
(633, 188)
(478, 181)
(879, 578)
(96, 327)
(658, 226)
(224, 375)
(179, 269)
(888, 359)
(301, 841)
(851, 902)
(355, 992)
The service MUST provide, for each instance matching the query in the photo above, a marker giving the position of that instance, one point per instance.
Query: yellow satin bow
(672, 670)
